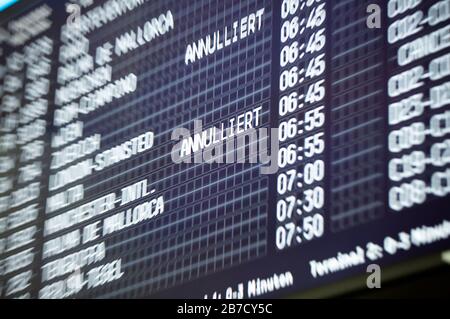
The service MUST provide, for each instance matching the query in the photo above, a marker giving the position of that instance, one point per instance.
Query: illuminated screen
(219, 148)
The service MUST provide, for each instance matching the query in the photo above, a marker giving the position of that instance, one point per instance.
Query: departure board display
(219, 149)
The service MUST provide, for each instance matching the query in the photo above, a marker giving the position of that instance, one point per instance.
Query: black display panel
(219, 149)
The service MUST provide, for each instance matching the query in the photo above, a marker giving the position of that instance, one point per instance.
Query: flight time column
(300, 182)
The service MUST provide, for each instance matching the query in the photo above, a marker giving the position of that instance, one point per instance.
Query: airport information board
(219, 148)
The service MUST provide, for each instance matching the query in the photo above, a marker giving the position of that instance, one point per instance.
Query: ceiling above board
(4, 4)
